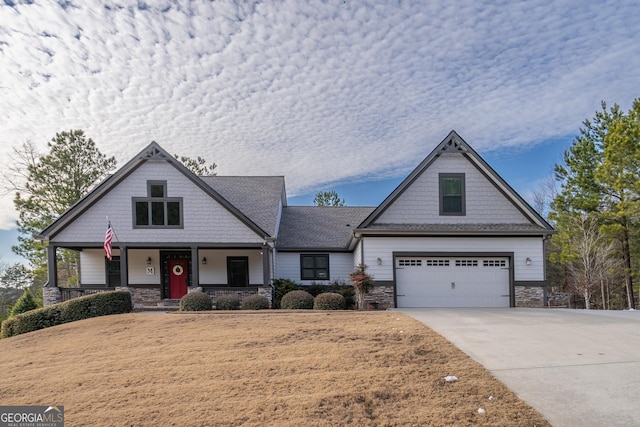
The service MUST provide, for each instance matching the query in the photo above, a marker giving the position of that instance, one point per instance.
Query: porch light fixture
(204, 260)
(527, 261)
(148, 260)
(379, 261)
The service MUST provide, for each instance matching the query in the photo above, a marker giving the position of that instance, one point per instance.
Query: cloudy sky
(332, 94)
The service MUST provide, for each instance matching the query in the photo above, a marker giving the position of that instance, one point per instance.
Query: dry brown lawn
(256, 368)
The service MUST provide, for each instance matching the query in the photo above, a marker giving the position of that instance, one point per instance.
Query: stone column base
(51, 295)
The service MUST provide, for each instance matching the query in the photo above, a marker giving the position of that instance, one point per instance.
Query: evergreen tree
(25, 303)
(54, 183)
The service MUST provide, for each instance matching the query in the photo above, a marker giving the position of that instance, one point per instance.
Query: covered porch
(159, 275)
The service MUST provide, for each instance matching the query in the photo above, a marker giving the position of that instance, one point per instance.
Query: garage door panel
(452, 282)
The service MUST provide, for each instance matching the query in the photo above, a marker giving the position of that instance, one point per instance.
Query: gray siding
(521, 247)
(288, 266)
(420, 203)
(205, 220)
(214, 272)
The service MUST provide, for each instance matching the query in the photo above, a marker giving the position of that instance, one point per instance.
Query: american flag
(108, 236)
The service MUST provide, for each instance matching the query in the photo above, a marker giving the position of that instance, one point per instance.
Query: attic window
(157, 210)
(452, 194)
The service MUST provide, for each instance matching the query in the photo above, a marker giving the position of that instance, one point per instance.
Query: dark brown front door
(177, 278)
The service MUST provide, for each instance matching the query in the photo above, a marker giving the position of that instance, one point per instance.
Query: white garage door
(452, 281)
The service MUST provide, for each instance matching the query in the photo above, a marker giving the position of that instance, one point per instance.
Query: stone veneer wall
(51, 295)
(145, 296)
(380, 297)
(529, 296)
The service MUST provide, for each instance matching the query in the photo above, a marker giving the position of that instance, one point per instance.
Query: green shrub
(102, 304)
(25, 303)
(282, 287)
(196, 301)
(348, 293)
(338, 287)
(329, 301)
(227, 302)
(255, 302)
(297, 300)
(316, 289)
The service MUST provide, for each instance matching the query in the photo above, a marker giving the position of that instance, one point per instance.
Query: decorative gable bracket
(454, 144)
(152, 153)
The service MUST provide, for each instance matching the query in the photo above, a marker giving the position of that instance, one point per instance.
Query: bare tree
(544, 194)
(593, 259)
(16, 174)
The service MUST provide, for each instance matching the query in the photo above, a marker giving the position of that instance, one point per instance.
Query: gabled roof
(258, 197)
(319, 227)
(454, 143)
(151, 152)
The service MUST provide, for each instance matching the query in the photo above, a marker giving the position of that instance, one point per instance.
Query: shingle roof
(319, 227)
(258, 197)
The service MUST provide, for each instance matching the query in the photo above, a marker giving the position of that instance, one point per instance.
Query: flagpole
(113, 229)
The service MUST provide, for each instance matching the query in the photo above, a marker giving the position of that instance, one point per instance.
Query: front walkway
(576, 367)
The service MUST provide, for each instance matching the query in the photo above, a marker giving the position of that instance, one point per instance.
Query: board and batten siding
(92, 270)
(204, 219)
(93, 263)
(214, 272)
(340, 265)
(420, 202)
(521, 247)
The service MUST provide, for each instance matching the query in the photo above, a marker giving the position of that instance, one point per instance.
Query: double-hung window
(157, 210)
(452, 196)
(314, 267)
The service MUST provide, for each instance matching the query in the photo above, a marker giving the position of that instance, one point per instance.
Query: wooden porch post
(195, 267)
(266, 265)
(52, 266)
(124, 267)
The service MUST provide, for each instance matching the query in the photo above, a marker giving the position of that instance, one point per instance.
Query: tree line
(595, 208)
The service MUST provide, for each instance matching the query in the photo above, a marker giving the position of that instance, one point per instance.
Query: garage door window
(409, 262)
(466, 263)
(314, 267)
(494, 263)
(437, 263)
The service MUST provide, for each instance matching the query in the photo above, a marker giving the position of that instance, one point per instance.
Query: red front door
(177, 278)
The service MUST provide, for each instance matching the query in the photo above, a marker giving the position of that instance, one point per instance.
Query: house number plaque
(150, 271)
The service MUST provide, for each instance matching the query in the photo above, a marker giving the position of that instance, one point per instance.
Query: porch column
(195, 267)
(124, 267)
(51, 293)
(52, 266)
(266, 265)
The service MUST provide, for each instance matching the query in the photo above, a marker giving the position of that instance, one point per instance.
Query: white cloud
(320, 92)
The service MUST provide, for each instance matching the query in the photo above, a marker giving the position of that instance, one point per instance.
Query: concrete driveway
(576, 367)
